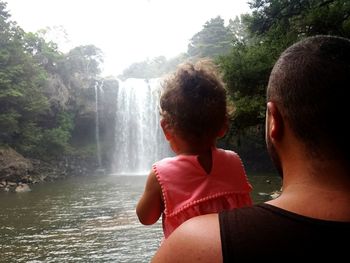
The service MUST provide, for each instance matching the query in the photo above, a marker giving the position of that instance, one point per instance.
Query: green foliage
(238, 30)
(8, 124)
(273, 26)
(260, 37)
(154, 68)
(21, 82)
(45, 53)
(245, 72)
(29, 122)
(55, 141)
(41, 89)
(65, 121)
(213, 40)
(47, 143)
(29, 139)
(84, 60)
(144, 69)
(301, 18)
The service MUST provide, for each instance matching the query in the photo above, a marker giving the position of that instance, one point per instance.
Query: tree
(21, 82)
(239, 30)
(213, 40)
(45, 53)
(301, 18)
(153, 68)
(85, 61)
(56, 139)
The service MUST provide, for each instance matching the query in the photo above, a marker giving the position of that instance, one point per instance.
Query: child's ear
(224, 129)
(166, 130)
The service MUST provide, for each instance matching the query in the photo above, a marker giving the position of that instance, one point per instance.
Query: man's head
(308, 86)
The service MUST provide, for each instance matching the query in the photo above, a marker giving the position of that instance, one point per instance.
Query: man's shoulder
(196, 240)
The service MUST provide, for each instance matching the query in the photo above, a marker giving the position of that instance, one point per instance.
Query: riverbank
(16, 170)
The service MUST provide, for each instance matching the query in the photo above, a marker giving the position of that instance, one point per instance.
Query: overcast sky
(126, 31)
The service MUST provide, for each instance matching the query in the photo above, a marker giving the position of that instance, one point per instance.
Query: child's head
(193, 102)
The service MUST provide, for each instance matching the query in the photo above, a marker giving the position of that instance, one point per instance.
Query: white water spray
(98, 90)
(138, 135)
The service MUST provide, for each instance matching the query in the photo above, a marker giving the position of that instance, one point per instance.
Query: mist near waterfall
(139, 140)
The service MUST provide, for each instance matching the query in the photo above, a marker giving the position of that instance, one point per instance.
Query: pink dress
(189, 191)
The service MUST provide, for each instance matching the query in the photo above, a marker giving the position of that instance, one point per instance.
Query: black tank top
(265, 232)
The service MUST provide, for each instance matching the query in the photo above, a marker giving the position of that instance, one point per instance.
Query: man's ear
(274, 122)
(166, 130)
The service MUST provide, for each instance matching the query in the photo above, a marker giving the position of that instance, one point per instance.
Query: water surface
(85, 219)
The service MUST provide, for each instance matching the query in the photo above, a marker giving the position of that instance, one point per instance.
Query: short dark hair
(309, 83)
(193, 100)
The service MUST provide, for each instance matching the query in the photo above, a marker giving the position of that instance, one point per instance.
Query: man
(308, 140)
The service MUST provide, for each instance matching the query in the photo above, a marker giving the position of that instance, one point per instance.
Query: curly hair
(193, 101)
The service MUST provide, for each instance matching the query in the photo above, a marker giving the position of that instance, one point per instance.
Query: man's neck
(316, 189)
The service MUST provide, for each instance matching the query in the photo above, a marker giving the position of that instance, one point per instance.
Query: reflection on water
(77, 220)
(264, 186)
(90, 219)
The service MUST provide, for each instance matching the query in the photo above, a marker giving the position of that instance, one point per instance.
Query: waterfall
(139, 140)
(98, 89)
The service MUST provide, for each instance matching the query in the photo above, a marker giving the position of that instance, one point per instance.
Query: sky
(126, 31)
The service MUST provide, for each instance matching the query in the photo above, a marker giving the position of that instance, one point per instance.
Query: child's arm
(150, 205)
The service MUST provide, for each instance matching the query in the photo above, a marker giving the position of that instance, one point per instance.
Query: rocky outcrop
(57, 92)
(17, 171)
(13, 166)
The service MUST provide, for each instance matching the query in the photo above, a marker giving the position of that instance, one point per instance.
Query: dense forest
(47, 102)
(47, 96)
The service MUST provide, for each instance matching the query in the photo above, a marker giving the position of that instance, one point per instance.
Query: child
(201, 178)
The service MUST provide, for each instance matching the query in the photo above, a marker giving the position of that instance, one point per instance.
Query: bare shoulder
(196, 240)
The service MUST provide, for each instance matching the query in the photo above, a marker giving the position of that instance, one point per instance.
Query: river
(85, 219)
